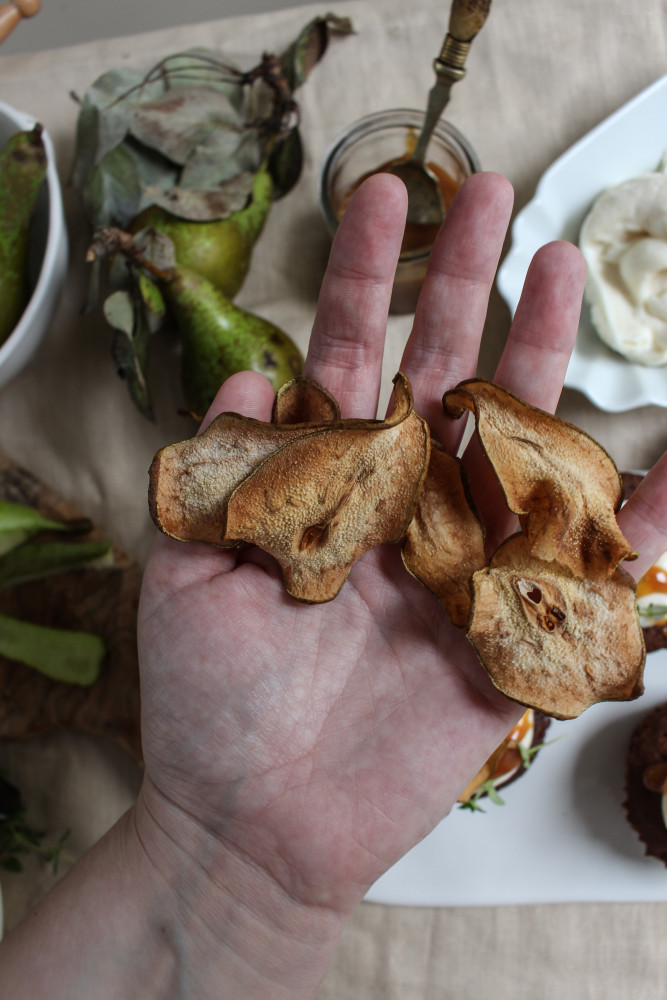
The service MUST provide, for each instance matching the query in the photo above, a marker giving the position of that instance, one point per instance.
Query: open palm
(321, 742)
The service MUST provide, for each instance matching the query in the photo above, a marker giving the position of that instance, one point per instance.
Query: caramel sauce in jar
(369, 146)
(415, 237)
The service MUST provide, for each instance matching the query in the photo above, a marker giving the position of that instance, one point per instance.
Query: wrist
(224, 918)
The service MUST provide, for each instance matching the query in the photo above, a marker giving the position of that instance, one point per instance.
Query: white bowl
(47, 257)
(631, 141)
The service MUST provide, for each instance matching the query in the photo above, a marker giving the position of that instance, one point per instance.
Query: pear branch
(111, 240)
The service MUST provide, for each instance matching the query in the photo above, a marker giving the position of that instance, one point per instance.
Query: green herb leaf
(34, 560)
(19, 522)
(18, 838)
(63, 655)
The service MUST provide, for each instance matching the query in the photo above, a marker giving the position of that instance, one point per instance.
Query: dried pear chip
(327, 497)
(562, 484)
(444, 543)
(191, 481)
(301, 400)
(551, 640)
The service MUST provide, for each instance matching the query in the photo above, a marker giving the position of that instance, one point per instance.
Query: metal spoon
(424, 201)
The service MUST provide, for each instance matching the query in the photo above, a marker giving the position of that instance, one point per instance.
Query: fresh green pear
(220, 250)
(22, 172)
(219, 338)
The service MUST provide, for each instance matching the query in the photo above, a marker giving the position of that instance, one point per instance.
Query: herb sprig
(19, 839)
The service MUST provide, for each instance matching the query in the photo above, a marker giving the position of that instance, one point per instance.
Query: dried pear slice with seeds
(554, 641)
(444, 543)
(561, 483)
(324, 499)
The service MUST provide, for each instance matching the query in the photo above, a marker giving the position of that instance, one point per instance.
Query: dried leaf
(182, 119)
(285, 162)
(129, 347)
(309, 46)
(203, 206)
(219, 159)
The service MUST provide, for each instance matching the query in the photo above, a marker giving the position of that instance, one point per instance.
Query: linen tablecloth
(540, 76)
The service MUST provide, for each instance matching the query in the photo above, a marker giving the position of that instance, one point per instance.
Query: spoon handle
(465, 20)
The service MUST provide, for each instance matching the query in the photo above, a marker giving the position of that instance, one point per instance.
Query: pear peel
(315, 495)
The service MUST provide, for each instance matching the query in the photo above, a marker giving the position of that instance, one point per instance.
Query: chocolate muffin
(646, 782)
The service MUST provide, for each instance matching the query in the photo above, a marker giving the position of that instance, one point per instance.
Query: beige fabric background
(540, 75)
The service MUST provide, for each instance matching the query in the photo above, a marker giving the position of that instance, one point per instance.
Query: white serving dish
(561, 836)
(629, 142)
(48, 256)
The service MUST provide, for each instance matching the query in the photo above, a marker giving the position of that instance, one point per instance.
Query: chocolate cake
(645, 775)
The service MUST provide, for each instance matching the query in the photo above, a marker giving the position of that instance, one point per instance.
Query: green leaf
(69, 656)
(18, 522)
(34, 560)
(152, 299)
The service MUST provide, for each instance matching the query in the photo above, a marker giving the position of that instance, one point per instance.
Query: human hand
(314, 745)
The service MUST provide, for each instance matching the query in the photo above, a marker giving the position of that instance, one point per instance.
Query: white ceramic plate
(629, 142)
(561, 836)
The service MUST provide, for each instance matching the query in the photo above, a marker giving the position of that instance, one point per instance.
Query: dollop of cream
(624, 241)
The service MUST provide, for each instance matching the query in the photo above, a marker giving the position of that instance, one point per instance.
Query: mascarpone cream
(624, 241)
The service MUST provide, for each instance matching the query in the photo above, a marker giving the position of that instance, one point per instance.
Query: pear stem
(111, 240)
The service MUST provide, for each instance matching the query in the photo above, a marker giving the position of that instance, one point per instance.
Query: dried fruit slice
(316, 494)
(554, 641)
(562, 484)
(301, 400)
(325, 498)
(444, 543)
(191, 481)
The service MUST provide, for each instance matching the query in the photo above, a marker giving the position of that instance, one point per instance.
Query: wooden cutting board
(103, 601)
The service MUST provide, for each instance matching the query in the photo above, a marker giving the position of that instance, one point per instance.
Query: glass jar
(366, 147)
